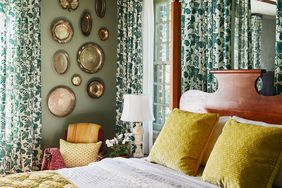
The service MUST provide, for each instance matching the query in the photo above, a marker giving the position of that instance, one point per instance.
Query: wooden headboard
(236, 95)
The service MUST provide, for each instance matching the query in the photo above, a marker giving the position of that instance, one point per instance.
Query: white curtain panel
(148, 58)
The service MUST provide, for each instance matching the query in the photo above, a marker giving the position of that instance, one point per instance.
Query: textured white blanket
(121, 172)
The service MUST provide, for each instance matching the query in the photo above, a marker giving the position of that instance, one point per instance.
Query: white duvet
(121, 172)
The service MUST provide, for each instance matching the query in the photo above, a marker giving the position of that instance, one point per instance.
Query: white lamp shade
(136, 108)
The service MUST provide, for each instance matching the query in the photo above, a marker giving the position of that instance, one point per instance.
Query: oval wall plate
(95, 88)
(100, 8)
(61, 61)
(86, 23)
(62, 31)
(90, 57)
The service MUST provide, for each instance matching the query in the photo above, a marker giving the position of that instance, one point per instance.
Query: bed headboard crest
(236, 95)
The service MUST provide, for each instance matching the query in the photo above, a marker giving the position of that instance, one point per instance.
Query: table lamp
(137, 108)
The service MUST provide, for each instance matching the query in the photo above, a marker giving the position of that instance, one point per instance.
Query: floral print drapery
(242, 35)
(206, 41)
(20, 98)
(278, 48)
(129, 59)
(256, 32)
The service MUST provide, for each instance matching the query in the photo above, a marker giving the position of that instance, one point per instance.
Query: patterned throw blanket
(44, 179)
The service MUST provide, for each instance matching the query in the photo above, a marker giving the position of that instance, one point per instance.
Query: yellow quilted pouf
(246, 156)
(183, 140)
(79, 154)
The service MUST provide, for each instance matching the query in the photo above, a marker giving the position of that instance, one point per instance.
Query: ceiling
(263, 8)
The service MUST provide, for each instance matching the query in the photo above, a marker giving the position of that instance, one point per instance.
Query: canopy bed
(236, 96)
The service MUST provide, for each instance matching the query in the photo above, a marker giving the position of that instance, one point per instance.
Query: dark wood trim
(268, 1)
(236, 95)
(175, 87)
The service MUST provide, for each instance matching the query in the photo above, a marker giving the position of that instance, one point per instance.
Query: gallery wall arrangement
(79, 64)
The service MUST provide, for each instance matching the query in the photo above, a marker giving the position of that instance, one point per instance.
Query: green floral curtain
(278, 47)
(256, 29)
(129, 59)
(242, 36)
(20, 98)
(206, 42)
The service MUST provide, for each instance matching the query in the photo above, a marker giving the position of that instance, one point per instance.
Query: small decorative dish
(95, 88)
(103, 33)
(69, 4)
(100, 8)
(76, 80)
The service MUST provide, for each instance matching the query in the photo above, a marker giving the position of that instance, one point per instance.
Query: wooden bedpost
(175, 78)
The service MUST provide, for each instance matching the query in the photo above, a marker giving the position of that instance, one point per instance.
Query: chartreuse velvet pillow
(182, 141)
(245, 156)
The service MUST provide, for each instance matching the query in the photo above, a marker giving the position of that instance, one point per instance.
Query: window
(161, 64)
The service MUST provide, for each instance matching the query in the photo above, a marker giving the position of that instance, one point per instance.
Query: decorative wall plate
(69, 4)
(100, 8)
(62, 31)
(90, 57)
(76, 80)
(95, 88)
(61, 61)
(61, 101)
(103, 33)
(86, 23)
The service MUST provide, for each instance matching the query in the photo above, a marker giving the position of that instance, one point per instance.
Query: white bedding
(121, 172)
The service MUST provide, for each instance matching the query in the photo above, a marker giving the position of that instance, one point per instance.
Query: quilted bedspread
(44, 179)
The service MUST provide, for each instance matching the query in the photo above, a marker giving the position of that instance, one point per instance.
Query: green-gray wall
(100, 111)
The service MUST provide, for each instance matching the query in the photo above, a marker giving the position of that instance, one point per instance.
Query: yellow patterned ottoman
(42, 179)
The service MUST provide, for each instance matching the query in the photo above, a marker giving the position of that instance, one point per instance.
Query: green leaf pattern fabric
(256, 31)
(129, 59)
(242, 35)
(206, 42)
(20, 86)
(278, 48)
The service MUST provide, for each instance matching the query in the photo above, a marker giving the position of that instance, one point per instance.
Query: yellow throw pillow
(182, 141)
(245, 156)
(75, 154)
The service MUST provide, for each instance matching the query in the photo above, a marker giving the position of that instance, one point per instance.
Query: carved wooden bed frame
(236, 94)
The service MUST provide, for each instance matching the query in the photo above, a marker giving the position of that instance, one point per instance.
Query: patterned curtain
(20, 97)
(243, 37)
(129, 59)
(206, 41)
(256, 29)
(278, 47)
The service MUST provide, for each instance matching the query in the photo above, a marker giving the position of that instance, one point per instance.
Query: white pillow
(278, 178)
(214, 136)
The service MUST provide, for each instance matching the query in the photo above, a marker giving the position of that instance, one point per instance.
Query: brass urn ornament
(69, 4)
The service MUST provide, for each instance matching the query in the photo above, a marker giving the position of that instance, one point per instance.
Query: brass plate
(76, 80)
(61, 61)
(100, 8)
(103, 33)
(62, 31)
(61, 101)
(95, 88)
(86, 23)
(69, 4)
(90, 57)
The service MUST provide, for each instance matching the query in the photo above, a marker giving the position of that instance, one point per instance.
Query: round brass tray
(62, 31)
(95, 88)
(61, 101)
(90, 57)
